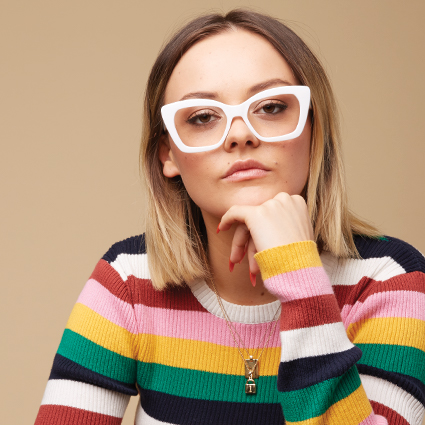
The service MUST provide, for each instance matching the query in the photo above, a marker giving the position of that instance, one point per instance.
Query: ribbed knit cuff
(288, 258)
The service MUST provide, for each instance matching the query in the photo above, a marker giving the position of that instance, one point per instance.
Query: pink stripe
(303, 283)
(202, 326)
(373, 419)
(99, 299)
(406, 304)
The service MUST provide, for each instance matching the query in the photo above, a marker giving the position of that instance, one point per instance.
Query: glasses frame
(168, 112)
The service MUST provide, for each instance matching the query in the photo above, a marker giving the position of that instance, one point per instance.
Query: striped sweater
(350, 348)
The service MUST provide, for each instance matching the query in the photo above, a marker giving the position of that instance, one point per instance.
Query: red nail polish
(253, 278)
(231, 266)
(218, 227)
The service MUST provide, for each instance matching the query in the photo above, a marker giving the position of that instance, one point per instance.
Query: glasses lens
(199, 126)
(275, 116)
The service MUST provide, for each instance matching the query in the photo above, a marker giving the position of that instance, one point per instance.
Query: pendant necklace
(251, 364)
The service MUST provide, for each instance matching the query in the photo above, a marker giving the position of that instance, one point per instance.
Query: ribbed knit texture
(350, 348)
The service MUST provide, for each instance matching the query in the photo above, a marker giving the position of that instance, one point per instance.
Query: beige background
(72, 79)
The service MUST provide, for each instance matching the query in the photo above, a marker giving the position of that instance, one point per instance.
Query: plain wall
(72, 78)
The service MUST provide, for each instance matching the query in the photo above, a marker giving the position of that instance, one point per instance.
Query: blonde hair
(175, 235)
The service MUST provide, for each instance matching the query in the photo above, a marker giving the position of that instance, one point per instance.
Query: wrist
(293, 271)
(287, 258)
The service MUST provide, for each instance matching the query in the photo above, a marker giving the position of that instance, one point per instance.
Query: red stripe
(392, 416)
(107, 276)
(62, 415)
(309, 312)
(173, 298)
(141, 291)
(349, 294)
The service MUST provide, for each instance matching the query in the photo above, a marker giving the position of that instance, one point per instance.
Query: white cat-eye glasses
(273, 115)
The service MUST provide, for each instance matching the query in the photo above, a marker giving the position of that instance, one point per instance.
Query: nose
(240, 136)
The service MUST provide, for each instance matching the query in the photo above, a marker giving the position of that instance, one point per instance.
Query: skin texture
(256, 213)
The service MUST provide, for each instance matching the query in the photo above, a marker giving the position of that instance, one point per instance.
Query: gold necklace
(251, 364)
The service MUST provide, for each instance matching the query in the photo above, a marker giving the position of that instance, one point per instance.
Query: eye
(203, 117)
(271, 107)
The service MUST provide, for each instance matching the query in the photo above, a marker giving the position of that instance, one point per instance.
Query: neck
(234, 287)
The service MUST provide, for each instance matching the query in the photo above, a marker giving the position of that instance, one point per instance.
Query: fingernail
(231, 266)
(218, 227)
(253, 278)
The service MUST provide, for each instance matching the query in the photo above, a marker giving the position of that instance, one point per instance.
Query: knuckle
(298, 198)
(282, 196)
(299, 201)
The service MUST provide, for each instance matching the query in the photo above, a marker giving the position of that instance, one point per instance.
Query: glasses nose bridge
(235, 111)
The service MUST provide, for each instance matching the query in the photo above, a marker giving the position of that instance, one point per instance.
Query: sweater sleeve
(318, 378)
(94, 369)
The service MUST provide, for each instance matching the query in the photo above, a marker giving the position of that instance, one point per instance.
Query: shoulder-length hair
(175, 235)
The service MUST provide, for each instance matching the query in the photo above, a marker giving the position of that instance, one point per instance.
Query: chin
(219, 203)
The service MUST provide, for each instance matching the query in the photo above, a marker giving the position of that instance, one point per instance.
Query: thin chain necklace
(251, 364)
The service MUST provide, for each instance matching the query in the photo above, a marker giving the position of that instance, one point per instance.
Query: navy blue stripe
(64, 368)
(302, 373)
(404, 254)
(133, 245)
(409, 384)
(188, 411)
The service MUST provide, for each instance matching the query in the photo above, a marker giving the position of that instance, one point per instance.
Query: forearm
(318, 380)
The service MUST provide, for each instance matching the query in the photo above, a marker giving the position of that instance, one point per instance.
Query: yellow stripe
(205, 356)
(388, 330)
(176, 352)
(101, 331)
(287, 258)
(350, 410)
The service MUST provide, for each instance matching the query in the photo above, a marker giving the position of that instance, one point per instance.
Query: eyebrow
(252, 90)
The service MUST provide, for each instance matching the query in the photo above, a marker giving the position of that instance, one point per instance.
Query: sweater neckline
(246, 314)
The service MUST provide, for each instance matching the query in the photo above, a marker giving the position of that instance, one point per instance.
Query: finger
(244, 253)
(304, 216)
(237, 213)
(251, 251)
(240, 239)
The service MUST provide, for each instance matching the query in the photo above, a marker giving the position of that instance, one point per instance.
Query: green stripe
(394, 358)
(205, 385)
(313, 401)
(97, 358)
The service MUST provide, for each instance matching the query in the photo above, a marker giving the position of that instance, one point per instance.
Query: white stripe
(394, 397)
(350, 271)
(314, 341)
(132, 265)
(86, 397)
(340, 272)
(137, 265)
(142, 418)
(249, 314)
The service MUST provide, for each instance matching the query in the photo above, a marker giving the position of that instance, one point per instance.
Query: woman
(261, 298)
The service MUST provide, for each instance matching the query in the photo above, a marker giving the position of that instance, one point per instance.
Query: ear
(170, 168)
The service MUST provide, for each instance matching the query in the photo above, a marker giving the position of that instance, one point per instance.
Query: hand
(278, 221)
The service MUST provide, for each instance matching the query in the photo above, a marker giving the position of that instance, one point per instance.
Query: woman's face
(227, 66)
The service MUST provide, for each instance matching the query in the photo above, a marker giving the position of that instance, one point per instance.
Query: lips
(248, 164)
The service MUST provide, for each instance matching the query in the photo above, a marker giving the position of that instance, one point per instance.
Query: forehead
(228, 64)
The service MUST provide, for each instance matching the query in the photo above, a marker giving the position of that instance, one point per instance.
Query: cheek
(196, 171)
(301, 153)
(293, 160)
